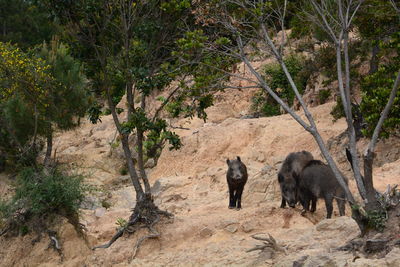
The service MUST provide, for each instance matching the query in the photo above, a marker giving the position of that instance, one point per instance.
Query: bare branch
(268, 242)
(269, 90)
(384, 114)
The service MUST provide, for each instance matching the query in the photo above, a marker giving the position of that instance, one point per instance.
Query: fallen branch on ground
(268, 242)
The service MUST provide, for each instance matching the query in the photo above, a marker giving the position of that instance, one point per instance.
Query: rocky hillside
(191, 184)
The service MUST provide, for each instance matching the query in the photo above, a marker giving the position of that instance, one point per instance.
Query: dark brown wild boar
(236, 178)
(288, 176)
(317, 180)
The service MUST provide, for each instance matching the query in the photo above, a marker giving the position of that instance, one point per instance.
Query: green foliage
(337, 111)
(54, 193)
(377, 219)
(277, 80)
(263, 104)
(5, 210)
(123, 170)
(376, 89)
(37, 93)
(23, 230)
(94, 113)
(121, 223)
(106, 112)
(25, 23)
(105, 204)
(68, 96)
(24, 82)
(325, 61)
(376, 19)
(39, 195)
(323, 95)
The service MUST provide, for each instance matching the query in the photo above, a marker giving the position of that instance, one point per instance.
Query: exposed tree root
(54, 241)
(145, 215)
(154, 234)
(268, 243)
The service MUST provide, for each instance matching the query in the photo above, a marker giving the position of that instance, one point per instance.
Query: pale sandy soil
(191, 184)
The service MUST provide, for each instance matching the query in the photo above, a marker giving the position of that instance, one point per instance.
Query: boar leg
(342, 206)
(238, 196)
(232, 203)
(313, 204)
(329, 207)
(283, 204)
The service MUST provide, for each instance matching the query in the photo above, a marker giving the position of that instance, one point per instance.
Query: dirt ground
(191, 183)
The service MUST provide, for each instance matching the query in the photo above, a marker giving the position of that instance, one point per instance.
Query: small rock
(248, 226)
(225, 223)
(122, 179)
(232, 228)
(300, 262)
(266, 170)
(261, 157)
(392, 258)
(150, 164)
(99, 212)
(206, 232)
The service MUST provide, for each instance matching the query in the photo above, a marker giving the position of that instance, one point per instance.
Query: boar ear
(238, 158)
(228, 161)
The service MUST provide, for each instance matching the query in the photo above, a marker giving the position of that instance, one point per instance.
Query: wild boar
(288, 176)
(236, 177)
(317, 180)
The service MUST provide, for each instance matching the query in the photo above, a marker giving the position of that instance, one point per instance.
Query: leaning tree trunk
(369, 153)
(49, 149)
(140, 139)
(127, 152)
(374, 61)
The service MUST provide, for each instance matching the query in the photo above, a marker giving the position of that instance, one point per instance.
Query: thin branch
(268, 242)
(269, 90)
(384, 114)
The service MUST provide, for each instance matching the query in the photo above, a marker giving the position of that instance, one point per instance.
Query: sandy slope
(191, 184)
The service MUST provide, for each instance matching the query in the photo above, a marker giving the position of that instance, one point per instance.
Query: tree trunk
(141, 161)
(129, 99)
(369, 153)
(49, 148)
(131, 167)
(345, 96)
(374, 62)
(140, 138)
(127, 151)
(372, 202)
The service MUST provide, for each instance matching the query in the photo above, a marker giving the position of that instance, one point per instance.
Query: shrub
(265, 105)
(45, 194)
(123, 170)
(276, 78)
(338, 110)
(325, 61)
(5, 211)
(377, 220)
(376, 89)
(323, 95)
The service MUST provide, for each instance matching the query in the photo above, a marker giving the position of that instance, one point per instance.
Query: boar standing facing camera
(317, 180)
(288, 176)
(237, 178)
